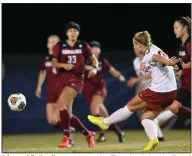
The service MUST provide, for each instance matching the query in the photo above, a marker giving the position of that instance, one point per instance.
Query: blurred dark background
(25, 28)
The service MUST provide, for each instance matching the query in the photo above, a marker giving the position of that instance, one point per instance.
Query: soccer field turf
(176, 141)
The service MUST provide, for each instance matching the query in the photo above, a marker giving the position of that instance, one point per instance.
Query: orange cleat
(66, 142)
(91, 139)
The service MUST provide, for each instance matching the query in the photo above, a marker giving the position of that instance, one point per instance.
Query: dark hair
(95, 44)
(72, 25)
(185, 21)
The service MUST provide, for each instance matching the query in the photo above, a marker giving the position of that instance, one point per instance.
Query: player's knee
(52, 121)
(174, 108)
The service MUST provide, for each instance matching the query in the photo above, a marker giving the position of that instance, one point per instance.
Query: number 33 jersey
(163, 77)
(75, 55)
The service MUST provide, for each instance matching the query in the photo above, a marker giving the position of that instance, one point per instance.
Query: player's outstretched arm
(41, 79)
(134, 80)
(169, 62)
(116, 74)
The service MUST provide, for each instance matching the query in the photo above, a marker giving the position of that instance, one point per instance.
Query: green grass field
(176, 141)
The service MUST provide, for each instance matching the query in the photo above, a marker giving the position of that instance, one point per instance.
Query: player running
(68, 58)
(95, 89)
(47, 71)
(160, 94)
(143, 82)
(182, 30)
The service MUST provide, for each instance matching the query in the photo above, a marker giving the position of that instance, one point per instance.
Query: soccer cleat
(72, 129)
(102, 138)
(91, 139)
(161, 139)
(121, 137)
(65, 142)
(98, 121)
(151, 145)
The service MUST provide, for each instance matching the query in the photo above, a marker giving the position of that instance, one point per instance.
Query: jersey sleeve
(106, 64)
(56, 50)
(42, 65)
(87, 51)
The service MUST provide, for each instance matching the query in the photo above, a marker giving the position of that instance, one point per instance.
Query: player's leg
(114, 127)
(183, 96)
(64, 102)
(122, 114)
(52, 115)
(150, 127)
(162, 118)
(95, 102)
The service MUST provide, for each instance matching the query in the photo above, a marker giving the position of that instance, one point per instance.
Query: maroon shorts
(90, 89)
(52, 92)
(68, 79)
(156, 100)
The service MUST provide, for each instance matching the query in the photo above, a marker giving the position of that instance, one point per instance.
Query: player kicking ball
(160, 94)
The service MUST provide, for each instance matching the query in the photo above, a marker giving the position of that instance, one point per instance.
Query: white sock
(150, 128)
(119, 115)
(164, 116)
(159, 132)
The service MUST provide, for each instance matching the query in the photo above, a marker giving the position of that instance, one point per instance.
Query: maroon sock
(65, 122)
(116, 129)
(77, 124)
(184, 112)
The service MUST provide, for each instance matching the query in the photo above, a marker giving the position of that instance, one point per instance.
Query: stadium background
(25, 28)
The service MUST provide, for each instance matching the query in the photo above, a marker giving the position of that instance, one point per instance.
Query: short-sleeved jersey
(51, 73)
(75, 55)
(185, 54)
(136, 65)
(163, 77)
(103, 63)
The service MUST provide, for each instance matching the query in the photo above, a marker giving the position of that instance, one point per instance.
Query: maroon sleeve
(188, 50)
(107, 65)
(56, 50)
(42, 65)
(87, 51)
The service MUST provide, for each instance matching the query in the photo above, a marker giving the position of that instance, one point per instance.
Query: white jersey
(136, 65)
(163, 77)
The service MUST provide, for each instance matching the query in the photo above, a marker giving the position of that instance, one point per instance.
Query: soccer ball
(17, 102)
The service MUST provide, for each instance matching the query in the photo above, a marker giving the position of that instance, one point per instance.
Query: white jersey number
(72, 59)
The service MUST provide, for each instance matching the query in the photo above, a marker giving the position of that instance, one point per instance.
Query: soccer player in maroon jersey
(95, 89)
(68, 58)
(182, 30)
(47, 71)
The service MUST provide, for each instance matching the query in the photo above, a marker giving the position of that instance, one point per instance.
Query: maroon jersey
(97, 80)
(51, 73)
(185, 55)
(75, 55)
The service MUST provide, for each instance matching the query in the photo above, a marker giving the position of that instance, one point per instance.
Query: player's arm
(94, 61)
(113, 71)
(169, 62)
(55, 63)
(88, 54)
(41, 79)
(133, 80)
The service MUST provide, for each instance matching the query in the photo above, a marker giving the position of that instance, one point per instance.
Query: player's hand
(38, 92)
(122, 78)
(143, 67)
(173, 60)
(92, 72)
(132, 81)
(68, 66)
(178, 75)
